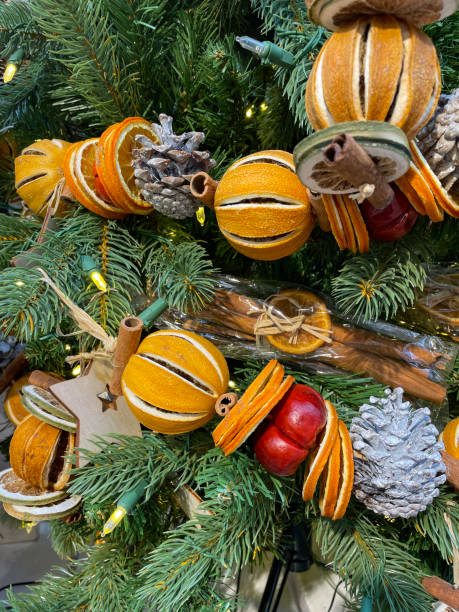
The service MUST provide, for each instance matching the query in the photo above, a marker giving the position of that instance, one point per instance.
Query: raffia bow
(85, 324)
(273, 321)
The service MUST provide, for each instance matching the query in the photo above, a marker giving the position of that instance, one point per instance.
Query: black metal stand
(296, 557)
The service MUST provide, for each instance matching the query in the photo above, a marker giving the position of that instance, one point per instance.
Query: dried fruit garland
(378, 67)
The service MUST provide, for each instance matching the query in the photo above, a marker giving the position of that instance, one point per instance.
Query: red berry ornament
(291, 429)
(390, 223)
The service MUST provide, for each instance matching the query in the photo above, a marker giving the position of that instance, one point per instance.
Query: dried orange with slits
(114, 163)
(173, 381)
(450, 438)
(39, 176)
(262, 208)
(376, 68)
(292, 303)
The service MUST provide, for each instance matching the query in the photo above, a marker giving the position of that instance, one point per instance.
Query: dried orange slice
(115, 164)
(330, 481)
(346, 223)
(441, 195)
(255, 387)
(243, 412)
(347, 472)
(335, 221)
(415, 189)
(359, 225)
(79, 175)
(319, 459)
(253, 419)
(13, 405)
(292, 302)
(450, 437)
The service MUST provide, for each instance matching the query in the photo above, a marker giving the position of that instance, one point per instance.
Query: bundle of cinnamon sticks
(232, 316)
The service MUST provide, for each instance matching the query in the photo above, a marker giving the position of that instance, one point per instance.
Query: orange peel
(317, 463)
(330, 481)
(347, 472)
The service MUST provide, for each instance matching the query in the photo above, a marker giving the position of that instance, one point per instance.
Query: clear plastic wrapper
(437, 309)
(264, 319)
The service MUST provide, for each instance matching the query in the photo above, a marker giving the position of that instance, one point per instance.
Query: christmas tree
(76, 68)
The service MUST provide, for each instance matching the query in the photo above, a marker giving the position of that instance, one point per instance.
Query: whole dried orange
(376, 68)
(39, 175)
(173, 381)
(262, 208)
(450, 438)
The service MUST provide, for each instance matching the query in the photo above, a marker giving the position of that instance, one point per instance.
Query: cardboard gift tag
(80, 397)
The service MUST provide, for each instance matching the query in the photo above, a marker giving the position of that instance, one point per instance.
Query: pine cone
(439, 141)
(400, 466)
(163, 171)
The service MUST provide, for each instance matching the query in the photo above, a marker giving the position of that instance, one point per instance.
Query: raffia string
(85, 324)
(365, 191)
(272, 322)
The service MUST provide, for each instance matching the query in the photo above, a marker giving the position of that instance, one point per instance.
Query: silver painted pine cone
(439, 142)
(398, 465)
(163, 171)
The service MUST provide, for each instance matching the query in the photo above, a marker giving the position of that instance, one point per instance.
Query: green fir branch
(379, 283)
(69, 539)
(292, 30)
(181, 273)
(15, 235)
(98, 86)
(246, 515)
(373, 563)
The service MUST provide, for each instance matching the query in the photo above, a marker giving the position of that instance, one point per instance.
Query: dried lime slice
(47, 408)
(386, 144)
(43, 513)
(332, 14)
(14, 490)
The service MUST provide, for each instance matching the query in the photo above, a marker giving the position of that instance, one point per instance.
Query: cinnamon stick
(42, 379)
(207, 328)
(353, 163)
(374, 343)
(203, 188)
(318, 207)
(11, 371)
(242, 304)
(229, 318)
(452, 469)
(127, 343)
(388, 371)
(442, 590)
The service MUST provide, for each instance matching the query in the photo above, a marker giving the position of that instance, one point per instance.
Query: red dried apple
(390, 223)
(283, 440)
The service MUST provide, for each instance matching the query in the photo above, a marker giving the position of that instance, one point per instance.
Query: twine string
(365, 191)
(273, 321)
(85, 324)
